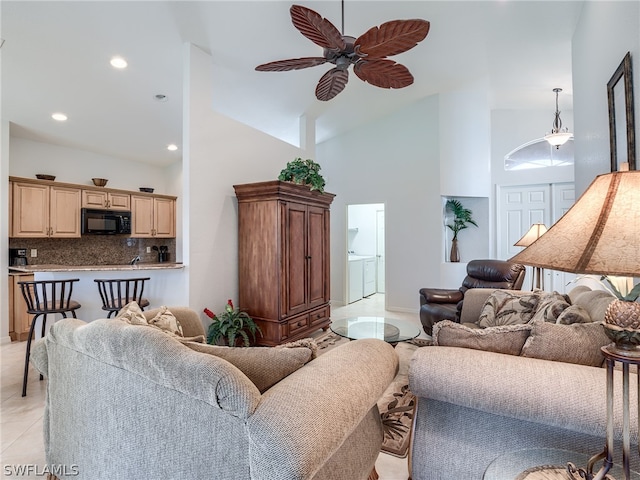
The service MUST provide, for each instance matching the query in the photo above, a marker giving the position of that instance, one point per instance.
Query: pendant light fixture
(558, 135)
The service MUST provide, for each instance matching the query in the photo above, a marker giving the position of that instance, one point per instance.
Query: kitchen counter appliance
(105, 222)
(18, 257)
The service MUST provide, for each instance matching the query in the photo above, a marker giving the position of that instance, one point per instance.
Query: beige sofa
(132, 402)
(476, 405)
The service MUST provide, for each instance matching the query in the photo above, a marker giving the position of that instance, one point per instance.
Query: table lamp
(534, 233)
(600, 235)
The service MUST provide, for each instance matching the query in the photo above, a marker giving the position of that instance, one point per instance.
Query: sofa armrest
(439, 295)
(325, 400)
(558, 394)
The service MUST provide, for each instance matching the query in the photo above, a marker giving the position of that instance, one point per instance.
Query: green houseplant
(303, 172)
(231, 326)
(462, 218)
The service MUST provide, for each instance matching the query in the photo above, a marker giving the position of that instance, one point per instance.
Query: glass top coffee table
(390, 330)
(542, 464)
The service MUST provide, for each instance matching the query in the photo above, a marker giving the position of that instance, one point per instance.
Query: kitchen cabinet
(153, 216)
(42, 210)
(283, 259)
(19, 319)
(369, 277)
(104, 199)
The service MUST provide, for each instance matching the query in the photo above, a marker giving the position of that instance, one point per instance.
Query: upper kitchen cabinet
(153, 216)
(41, 210)
(105, 199)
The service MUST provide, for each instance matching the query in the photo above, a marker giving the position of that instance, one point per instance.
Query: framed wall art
(621, 119)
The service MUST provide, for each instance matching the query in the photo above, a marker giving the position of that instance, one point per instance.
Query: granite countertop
(95, 268)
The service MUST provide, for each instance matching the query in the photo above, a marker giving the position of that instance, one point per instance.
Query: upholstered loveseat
(475, 405)
(132, 402)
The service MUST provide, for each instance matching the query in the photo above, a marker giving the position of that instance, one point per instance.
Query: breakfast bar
(165, 287)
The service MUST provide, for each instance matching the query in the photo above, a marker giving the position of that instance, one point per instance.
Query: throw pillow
(264, 366)
(505, 307)
(507, 339)
(574, 314)
(163, 320)
(166, 321)
(132, 313)
(550, 306)
(576, 343)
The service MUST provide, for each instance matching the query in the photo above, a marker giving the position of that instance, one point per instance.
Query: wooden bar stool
(116, 293)
(44, 297)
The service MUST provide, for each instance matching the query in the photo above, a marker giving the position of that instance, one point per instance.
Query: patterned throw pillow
(132, 314)
(576, 343)
(504, 307)
(507, 339)
(166, 321)
(550, 306)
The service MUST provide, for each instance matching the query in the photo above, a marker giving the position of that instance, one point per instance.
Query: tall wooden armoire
(283, 259)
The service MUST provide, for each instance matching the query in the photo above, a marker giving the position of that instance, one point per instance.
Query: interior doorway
(365, 251)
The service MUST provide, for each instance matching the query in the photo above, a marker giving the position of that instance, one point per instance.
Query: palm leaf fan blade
(392, 38)
(331, 84)
(383, 73)
(317, 29)
(291, 64)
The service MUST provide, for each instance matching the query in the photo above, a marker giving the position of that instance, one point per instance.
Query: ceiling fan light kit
(366, 53)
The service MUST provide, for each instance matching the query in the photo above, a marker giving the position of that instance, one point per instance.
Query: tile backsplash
(93, 249)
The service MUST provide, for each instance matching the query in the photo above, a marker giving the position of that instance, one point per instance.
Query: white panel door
(520, 207)
(563, 196)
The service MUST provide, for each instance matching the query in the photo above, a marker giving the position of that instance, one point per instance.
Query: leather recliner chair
(438, 304)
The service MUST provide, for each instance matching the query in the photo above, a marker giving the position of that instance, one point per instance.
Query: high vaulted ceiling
(56, 58)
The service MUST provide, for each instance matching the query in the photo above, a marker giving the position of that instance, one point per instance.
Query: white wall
(465, 141)
(71, 165)
(605, 33)
(221, 153)
(394, 161)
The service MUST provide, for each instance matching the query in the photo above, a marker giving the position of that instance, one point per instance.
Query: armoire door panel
(316, 254)
(295, 258)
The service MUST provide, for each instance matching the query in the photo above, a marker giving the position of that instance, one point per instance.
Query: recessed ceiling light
(172, 147)
(160, 97)
(118, 62)
(61, 117)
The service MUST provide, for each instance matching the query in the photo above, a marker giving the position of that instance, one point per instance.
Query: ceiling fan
(366, 53)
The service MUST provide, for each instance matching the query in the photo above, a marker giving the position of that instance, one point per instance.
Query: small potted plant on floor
(461, 218)
(232, 327)
(303, 172)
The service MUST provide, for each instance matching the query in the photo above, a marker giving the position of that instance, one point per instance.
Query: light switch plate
(34, 252)
(148, 249)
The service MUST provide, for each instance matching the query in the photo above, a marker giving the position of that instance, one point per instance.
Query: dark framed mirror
(621, 118)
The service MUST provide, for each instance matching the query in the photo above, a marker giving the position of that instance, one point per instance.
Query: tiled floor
(21, 418)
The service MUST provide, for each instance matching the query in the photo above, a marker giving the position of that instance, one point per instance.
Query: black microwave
(105, 222)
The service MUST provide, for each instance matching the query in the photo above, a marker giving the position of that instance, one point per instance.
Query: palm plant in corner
(462, 218)
(231, 326)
